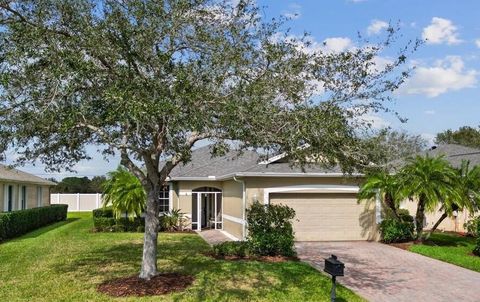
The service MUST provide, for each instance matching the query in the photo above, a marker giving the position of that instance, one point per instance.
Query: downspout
(243, 204)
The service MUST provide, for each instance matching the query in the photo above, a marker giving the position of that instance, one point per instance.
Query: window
(23, 197)
(164, 199)
(39, 196)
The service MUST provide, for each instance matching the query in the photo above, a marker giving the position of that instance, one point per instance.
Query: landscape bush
(104, 221)
(476, 250)
(16, 223)
(404, 215)
(394, 230)
(472, 226)
(231, 248)
(270, 231)
(173, 221)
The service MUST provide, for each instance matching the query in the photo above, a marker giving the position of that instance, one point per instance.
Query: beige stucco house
(21, 190)
(214, 192)
(454, 154)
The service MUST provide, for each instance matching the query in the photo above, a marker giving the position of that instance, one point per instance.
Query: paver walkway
(379, 272)
(213, 237)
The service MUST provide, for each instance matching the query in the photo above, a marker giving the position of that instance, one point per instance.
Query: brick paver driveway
(379, 272)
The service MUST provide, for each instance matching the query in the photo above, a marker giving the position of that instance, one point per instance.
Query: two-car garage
(329, 216)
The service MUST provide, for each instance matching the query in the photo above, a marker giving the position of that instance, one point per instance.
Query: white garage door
(329, 216)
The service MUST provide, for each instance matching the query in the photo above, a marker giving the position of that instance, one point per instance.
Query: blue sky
(443, 92)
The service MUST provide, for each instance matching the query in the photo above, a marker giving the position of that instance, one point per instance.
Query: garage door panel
(329, 216)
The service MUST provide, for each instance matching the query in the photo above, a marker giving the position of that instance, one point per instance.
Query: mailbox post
(335, 268)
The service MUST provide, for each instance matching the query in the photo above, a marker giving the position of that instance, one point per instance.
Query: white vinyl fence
(78, 202)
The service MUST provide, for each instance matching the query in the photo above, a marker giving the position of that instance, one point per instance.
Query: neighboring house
(214, 192)
(453, 154)
(20, 190)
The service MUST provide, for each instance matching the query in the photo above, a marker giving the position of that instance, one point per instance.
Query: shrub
(393, 230)
(103, 212)
(270, 231)
(476, 250)
(231, 248)
(404, 215)
(472, 226)
(104, 221)
(172, 221)
(16, 223)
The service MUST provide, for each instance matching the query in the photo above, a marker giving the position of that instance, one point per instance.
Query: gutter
(244, 203)
(261, 174)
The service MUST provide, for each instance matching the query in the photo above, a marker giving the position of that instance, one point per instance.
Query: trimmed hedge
(16, 223)
(105, 221)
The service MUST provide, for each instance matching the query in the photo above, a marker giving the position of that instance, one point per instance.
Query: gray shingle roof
(202, 164)
(456, 153)
(10, 174)
(453, 153)
(286, 168)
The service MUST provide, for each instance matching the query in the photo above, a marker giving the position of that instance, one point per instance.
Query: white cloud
(477, 42)
(441, 31)
(294, 11)
(337, 44)
(376, 121)
(329, 45)
(430, 112)
(357, 1)
(446, 75)
(376, 26)
(429, 137)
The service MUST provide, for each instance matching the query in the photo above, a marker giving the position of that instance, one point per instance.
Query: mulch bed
(403, 245)
(253, 258)
(134, 286)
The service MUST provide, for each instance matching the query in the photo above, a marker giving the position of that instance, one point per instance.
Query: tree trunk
(391, 204)
(420, 217)
(435, 226)
(149, 259)
(439, 221)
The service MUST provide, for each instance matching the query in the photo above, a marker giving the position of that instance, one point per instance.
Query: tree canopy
(385, 146)
(466, 136)
(149, 79)
(79, 185)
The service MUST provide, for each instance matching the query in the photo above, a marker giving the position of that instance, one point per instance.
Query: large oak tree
(148, 79)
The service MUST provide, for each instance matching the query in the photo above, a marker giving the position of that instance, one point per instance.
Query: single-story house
(214, 192)
(20, 190)
(454, 154)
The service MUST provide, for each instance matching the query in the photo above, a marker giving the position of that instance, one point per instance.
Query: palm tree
(384, 184)
(468, 182)
(124, 192)
(431, 181)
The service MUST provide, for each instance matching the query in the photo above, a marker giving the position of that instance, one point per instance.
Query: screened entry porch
(207, 209)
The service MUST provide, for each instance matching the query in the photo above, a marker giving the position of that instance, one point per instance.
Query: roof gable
(10, 174)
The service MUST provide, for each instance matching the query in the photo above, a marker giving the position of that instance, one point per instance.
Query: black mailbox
(333, 266)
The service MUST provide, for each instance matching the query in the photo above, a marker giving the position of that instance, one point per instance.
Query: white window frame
(165, 201)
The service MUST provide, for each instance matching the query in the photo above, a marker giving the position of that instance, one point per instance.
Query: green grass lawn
(65, 262)
(450, 248)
